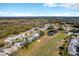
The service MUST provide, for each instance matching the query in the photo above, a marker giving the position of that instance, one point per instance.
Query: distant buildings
(74, 32)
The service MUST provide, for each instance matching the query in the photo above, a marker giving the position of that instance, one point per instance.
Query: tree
(41, 33)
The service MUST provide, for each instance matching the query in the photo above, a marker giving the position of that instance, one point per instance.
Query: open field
(11, 26)
(47, 46)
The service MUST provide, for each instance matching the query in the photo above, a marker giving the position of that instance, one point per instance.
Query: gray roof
(3, 54)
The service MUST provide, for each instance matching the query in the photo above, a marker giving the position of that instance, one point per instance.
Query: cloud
(2, 13)
(52, 14)
(39, 1)
(15, 14)
(73, 6)
(65, 14)
(22, 14)
(50, 4)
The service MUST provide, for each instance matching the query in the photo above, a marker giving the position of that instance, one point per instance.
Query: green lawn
(47, 49)
(51, 47)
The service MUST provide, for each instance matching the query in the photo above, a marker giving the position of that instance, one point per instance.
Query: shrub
(41, 33)
(1, 43)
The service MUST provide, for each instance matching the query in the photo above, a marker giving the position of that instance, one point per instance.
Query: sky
(38, 9)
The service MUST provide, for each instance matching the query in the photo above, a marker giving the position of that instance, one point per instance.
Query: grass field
(1, 42)
(48, 46)
(51, 48)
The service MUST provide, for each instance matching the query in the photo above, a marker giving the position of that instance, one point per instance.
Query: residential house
(12, 39)
(70, 33)
(74, 32)
(3, 54)
(29, 32)
(10, 50)
(73, 48)
(19, 44)
(18, 41)
(35, 36)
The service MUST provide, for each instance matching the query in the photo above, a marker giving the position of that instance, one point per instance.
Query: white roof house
(30, 39)
(70, 33)
(72, 48)
(19, 44)
(33, 37)
(3, 54)
(36, 35)
(21, 39)
(10, 50)
(76, 33)
(47, 25)
(42, 29)
(12, 39)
